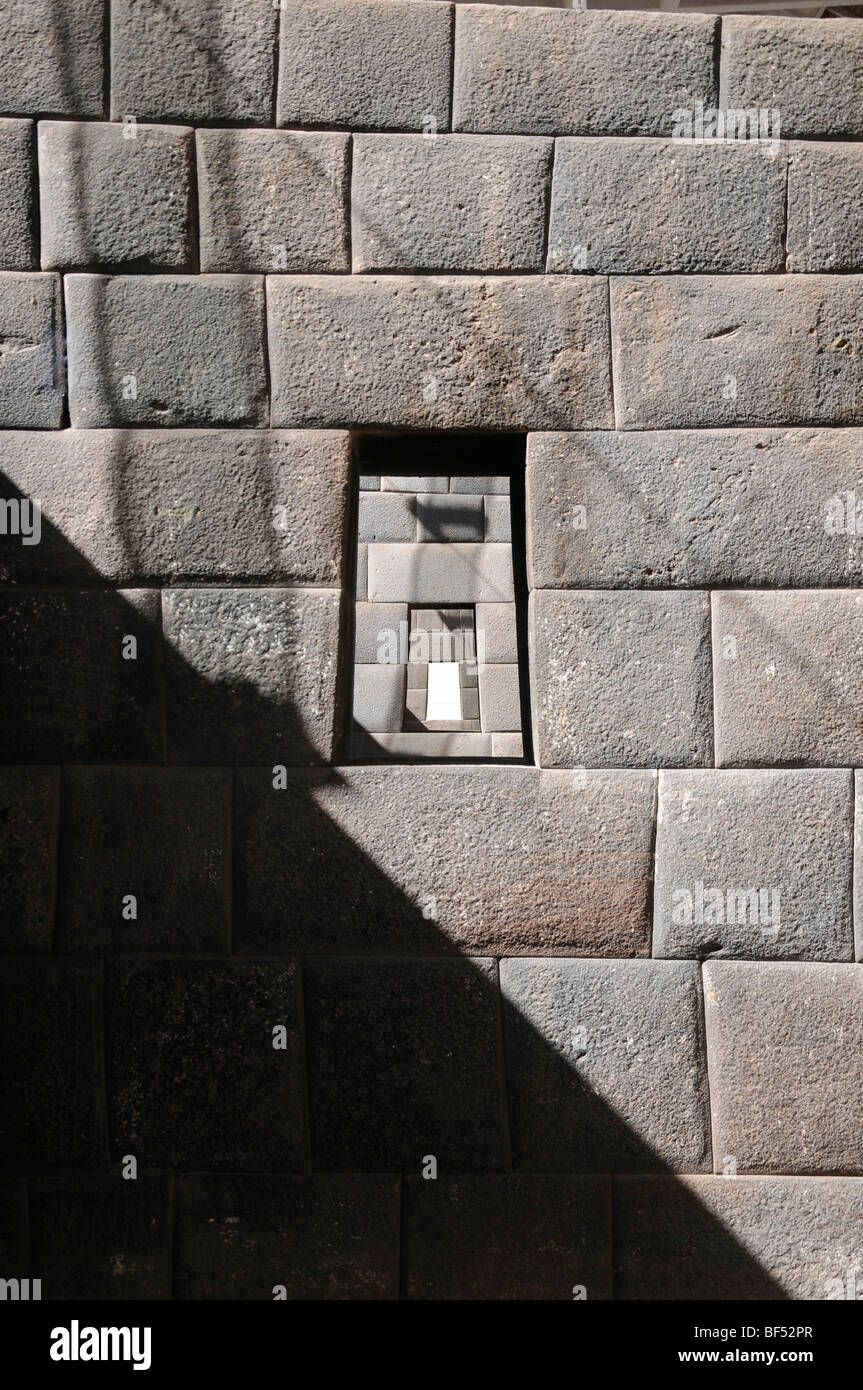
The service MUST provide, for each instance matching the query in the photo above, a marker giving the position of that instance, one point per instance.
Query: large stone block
(17, 222)
(52, 58)
(457, 202)
(547, 72)
(103, 1238)
(379, 698)
(754, 864)
(499, 698)
(784, 1043)
(273, 200)
(496, 632)
(367, 859)
(387, 516)
(429, 572)
(621, 679)
(429, 352)
(788, 669)
(647, 206)
(365, 63)
(825, 220)
(606, 1068)
(694, 351)
(29, 797)
(377, 632)
(32, 373)
(810, 72)
(251, 674)
(166, 350)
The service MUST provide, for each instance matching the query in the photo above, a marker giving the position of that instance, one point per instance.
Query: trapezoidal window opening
(438, 670)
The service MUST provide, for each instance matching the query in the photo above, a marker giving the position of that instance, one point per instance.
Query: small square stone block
(500, 700)
(380, 634)
(379, 697)
(387, 516)
(448, 518)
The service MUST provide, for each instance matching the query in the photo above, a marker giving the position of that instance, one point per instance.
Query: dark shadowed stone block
(825, 219)
(754, 864)
(784, 1042)
(52, 58)
(194, 1078)
(606, 1068)
(32, 372)
(316, 1237)
(404, 1061)
(14, 1226)
(17, 222)
(452, 518)
(29, 798)
(811, 73)
(366, 859)
(51, 1098)
(507, 1237)
(103, 1238)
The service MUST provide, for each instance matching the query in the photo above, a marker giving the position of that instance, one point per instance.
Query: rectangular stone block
(788, 669)
(362, 575)
(621, 680)
(52, 58)
(370, 483)
(387, 516)
(368, 64)
(825, 220)
(507, 746)
(159, 835)
(648, 206)
(712, 1238)
(72, 690)
(103, 1238)
(606, 1068)
(483, 483)
(425, 352)
(196, 1080)
(32, 375)
(451, 518)
(29, 798)
(200, 360)
(251, 674)
(515, 70)
(440, 573)
(379, 698)
(17, 222)
(454, 203)
(318, 1237)
(811, 73)
(421, 747)
(784, 1045)
(273, 200)
(377, 632)
(549, 1233)
(694, 351)
(193, 60)
(498, 520)
(754, 864)
(109, 200)
(400, 483)
(497, 634)
(367, 860)
(500, 698)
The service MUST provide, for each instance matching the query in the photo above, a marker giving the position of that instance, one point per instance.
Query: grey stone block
(514, 70)
(29, 798)
(788, 669)
(17, 222)
(441, 573)
(193, 60)
(507, 746)
(454, 203)
(483, 484)
(713, 1238)
(811, 73)
(606, 1068)
(111, 201)
(500, 699)
(362, 577)
(430, 352)
(499, 640)
(695, 351)
(200, 361)
(825, 220)
(450, 518)
(379, 698)
(651, 206)
(754, 864)
(412, 747)
(784, 1042)
(32, 376)
(378, 634)
(251, 674)
(405, 484)
(365, 860)
(498, 520)
(365, 63)
(621, 680)
(858, 865)
(52, 58)
(273, 200)
(370, 483)
(387, 516)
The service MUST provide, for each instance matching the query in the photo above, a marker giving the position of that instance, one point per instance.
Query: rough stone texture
(109, 200)
(362, 575)
(497, 624)
(428, 352)
(199, 362)
(657, 508)
(514, 70)
(485, 484)
(365, 63)
(784, 1046)
(103, 1238)
(655, 206)
(28, 855)
(17, 220)
(387, 516)
(193, 60)
(812, 73)
(404, 1060)
(606, 1069)
(477, 1237)
(498, 519)
(507, 746)
(788, 669)
(32, 385)
(858, 866)
(500, 698)
(717, 1238)
(749, 350)
(161, 835)
(273, 200)
(422, 573)
(370, 621)
(454, 203)
(379, 698)
(621, 680)
(825, 220)
(68, 694)
(363, 860)
(251, 674)
(52, 58)
(194, 1078)
(787, 835)
(451, 518)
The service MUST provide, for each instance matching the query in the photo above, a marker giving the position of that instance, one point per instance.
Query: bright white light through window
(444, 691)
